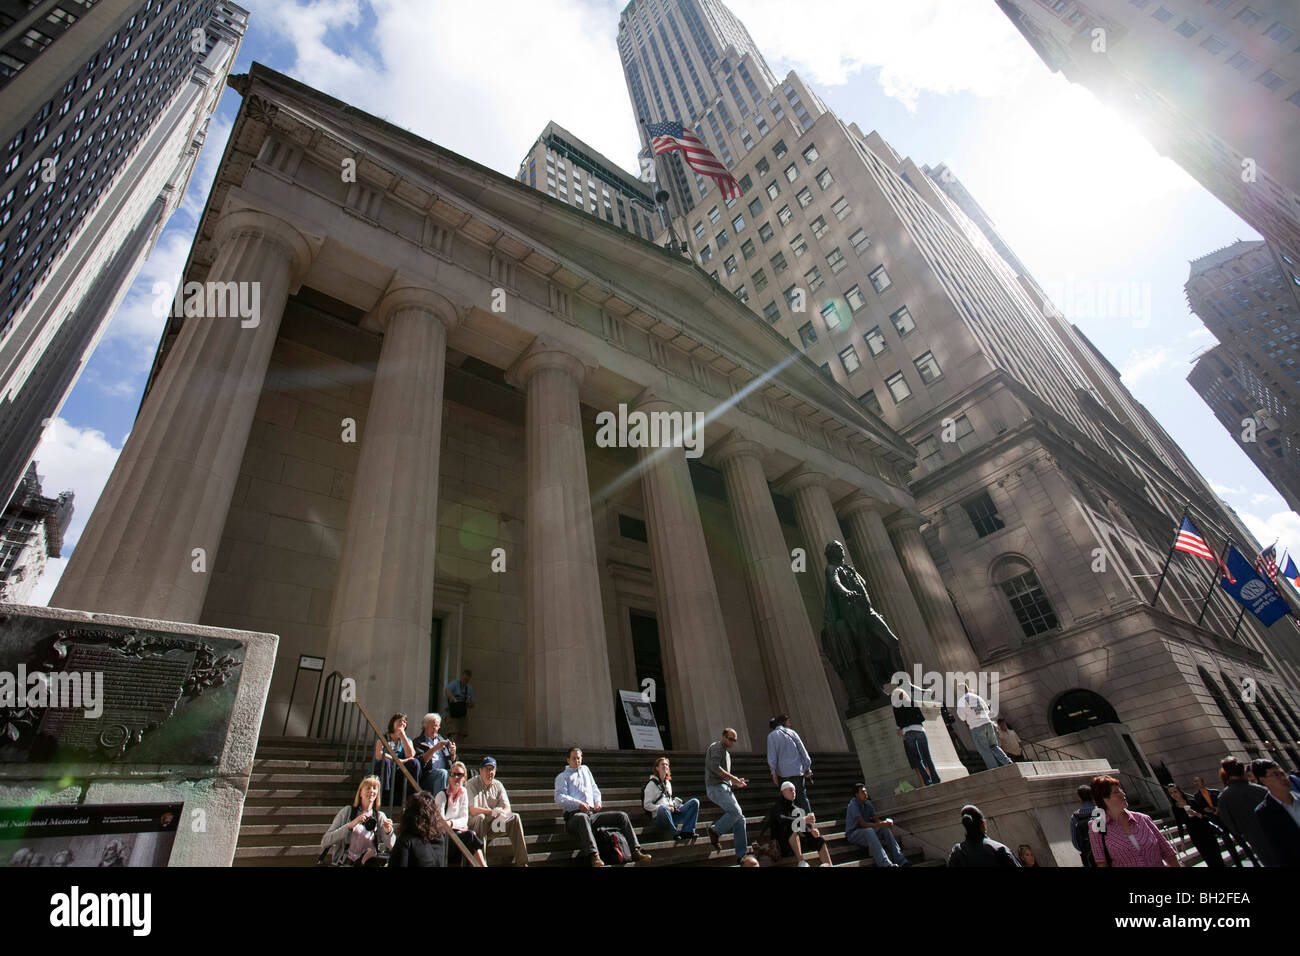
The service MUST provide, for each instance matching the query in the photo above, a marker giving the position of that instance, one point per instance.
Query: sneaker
(688, 835)
(596, 860)
(803, 862)
(713, 838)
(640, 856)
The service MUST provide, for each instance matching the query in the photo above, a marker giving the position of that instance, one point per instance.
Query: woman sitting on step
(361, 832)
(793, 829)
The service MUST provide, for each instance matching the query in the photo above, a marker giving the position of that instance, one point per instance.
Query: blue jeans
(433, 779)
(872, 839)
(683, 819)
(917, 746)
(390, 778)
(733, 818)
(986, 742)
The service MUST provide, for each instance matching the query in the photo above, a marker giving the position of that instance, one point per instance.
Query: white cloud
(1280, 526)
(1143, 363)
(78, 460)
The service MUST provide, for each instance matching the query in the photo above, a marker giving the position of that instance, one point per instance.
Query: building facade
(1049, 496)
(102, 126)
(1212, 84)
(31, 532)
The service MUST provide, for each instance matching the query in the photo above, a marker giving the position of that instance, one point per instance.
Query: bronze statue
(860, 645)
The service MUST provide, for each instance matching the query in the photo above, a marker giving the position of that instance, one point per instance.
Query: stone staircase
(298, 784)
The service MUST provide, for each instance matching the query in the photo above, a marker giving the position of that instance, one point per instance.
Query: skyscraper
(31, 532)
(1049, 494)
(105, 107)
(1212, 83)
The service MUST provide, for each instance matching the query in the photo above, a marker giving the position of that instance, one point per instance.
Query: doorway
(435, 666)
(648, 663)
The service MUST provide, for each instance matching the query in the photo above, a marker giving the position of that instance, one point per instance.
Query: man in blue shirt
(436, 754)
(788, 759)
(460, 698)
(579, 797)
(863, 829)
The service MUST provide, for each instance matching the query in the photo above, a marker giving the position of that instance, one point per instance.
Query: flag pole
(1238, 624)
(1169, 557)
(663, 195)
(1214, 580)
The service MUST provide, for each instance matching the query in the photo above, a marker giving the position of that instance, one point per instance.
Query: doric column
(954, 650)
(170, 491)
(791, 654)
(383, 597)
(703, 695)
(886, 582)
(570, 697)
(816, 516)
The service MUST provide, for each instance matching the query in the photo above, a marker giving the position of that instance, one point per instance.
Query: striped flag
(1266, 563)
(1191, 541)
(666, 137)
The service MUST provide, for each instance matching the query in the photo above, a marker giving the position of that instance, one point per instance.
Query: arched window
(1016, 578)
(1080, 709)
(1222, 703)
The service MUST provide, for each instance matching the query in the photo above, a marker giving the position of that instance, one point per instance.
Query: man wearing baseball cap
(490, 815)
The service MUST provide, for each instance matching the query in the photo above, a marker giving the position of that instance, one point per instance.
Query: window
(755, 207)
(1279, 33)
(742, 294)
(1270, 79)
(902, 320)
(835, 259)
(831, 317)
(807, 334)
(778, 263)
(773, 189)
(779, 149)
(964, 434)
(1187, 28)
(785, 215)
(928, 368)
(841, 208)
(898, 387)
(983, 514)
(738, 223)
(859, 241)
(771, 312)
(747, 248)
(730, 265)
(791, 173)
(814, 279)
(1214, 45)
(854, 298)
(927, 449)
(765, 231)
(869, 401)
(849, 359)
(714, 215)
(810, 155)
(759, 279)
(824, 178)
(706, 254)
(819, 227)
(1239, 61)
(1028, 602)
(791, 294)
(1163, 15)
(1249, 17)
(799, 246)
(762, 167)
(879, 279)
(746, 183)
(722, 238)
(876, 340)
(805, 197)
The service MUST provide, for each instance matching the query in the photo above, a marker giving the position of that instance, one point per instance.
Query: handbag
(457, 708)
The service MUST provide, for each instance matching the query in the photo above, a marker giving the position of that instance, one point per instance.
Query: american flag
(669, 136)
(1266, 563)
(1191, 541)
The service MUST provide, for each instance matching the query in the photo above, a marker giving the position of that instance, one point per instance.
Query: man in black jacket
(1237, 805)
(1279, 812)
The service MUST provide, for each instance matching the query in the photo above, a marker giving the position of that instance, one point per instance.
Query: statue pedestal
(880, 750)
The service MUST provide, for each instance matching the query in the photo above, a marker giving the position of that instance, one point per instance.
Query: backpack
(612, 846)
(1080, 823)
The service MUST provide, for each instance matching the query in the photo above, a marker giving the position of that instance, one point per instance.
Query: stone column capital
(801, 477)
(904, 520)
(405, 297)
(858, 501)
(546, 354)
(252, 222)
(650, 401)
(736, 445)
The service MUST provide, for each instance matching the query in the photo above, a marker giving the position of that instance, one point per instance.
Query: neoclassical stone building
(395, 467)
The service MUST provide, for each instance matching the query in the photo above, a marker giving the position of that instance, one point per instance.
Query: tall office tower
(31, 532)
(1049, 495)
(1212, 84)
(103, 111)
(1248, 409)
(563, 166)
(1248, 295)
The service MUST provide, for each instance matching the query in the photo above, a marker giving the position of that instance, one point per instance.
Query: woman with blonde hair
(361, 832)
(669, 812)
(453, 804)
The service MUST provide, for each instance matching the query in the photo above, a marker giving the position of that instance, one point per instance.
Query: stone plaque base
(884, 762)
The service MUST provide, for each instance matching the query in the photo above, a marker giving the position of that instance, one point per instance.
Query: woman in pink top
(1125, 838)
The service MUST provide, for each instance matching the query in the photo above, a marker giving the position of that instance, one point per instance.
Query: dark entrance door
(435, 670)
(649, 663)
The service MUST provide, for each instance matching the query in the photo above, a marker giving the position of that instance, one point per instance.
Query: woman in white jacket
(361, 831)
(668, 811)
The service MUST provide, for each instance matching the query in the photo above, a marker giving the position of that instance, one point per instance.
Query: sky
(1104, 223)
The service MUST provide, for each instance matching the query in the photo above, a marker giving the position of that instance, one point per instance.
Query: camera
(371, 823)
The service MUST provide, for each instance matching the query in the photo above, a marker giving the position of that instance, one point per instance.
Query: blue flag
(1251, 591)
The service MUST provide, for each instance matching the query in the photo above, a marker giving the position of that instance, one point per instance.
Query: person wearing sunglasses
(719, 780)
(453, 803)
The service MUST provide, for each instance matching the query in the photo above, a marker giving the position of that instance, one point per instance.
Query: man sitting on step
(579, 797)
(862, 828)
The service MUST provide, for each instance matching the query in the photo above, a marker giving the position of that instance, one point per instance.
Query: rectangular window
(835, 259)
(779, 149)
(747, 140)
(763, 167)
(810, 155)
(928, 368)
(714, 215)
(876, 340)
(765, 231)
(759, 279)
(807, 334)
(964, 434)
(880, 280)
(814, 279)
(841, 208)
(746, 182)
(730, 265)
(1270, 79)
(805, 197)
(819, 227)
(983, 514)
(773, 189)
(771, 312)
(747, 248)
(799, 246)
(898, 387)
(778, 263)
(722, 238)
(791, 293)
(1030, 605)
(831, 317)
(854, 298)
(927, 450)
(849, 359)
(859, 241)
(869, 401)
(824, 178)
(1163, 15)
(902, 320)
(742, 294)
(1249, 17)
(785, 215)
(1239, 61)
(755, 207)
(1214, 45)
(706, 254)
(791, 173)
(1279, 33)
(738, 223)
(1187, 28)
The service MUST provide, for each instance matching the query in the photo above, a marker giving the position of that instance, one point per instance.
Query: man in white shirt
(579, 797)
(973, 709)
